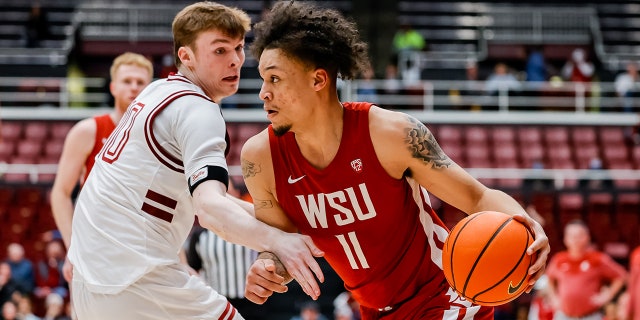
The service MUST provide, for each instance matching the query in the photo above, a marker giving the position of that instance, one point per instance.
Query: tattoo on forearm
(423, 145)
(262, 204)
(249, 169)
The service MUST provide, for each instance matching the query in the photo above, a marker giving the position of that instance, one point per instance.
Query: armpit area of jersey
(208, 173)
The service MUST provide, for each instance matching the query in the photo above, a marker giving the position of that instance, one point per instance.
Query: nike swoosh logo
(292, 181)
(513, 289)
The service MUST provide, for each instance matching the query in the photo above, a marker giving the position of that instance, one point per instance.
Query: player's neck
(577, 253)
(116, 115)
(320, 139)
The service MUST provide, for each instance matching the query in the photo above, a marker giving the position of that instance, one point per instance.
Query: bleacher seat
(478, 156)
(53, 149)
(583, 136)
(503, 135)
(570, 205)
(611, 136)
(530, 153)
(7, 150)
(30, 150)
(22, 215)
(59, 129)
(556, 135)
(11, 130)
(37, 131)
(6, 195)
(558, 154)
(600, 203)
(449, 134)
(529, 136)
(28, 196)
(455, 151)
(476, 135)
(584, 154)
(505, 155)
(628, 220)
(615, 154)
(16, 178)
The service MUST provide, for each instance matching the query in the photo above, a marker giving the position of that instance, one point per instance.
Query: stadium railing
(433, 102)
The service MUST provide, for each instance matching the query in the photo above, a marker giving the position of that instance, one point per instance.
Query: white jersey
(135, 210)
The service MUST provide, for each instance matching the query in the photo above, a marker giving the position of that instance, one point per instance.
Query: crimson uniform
(579, 279)
(104, 127)
(634, 284)
(379, 233)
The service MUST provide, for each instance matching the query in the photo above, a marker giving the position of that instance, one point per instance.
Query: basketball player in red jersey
(130, 73)
(354, 176)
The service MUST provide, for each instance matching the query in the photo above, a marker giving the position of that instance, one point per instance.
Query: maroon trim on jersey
(157, 212)
(229, 311)
(161, 199)
(161, 154)
(178, 77)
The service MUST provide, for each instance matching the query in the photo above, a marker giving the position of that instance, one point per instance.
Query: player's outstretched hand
(263, 281)
(297, 253)
(540, 246)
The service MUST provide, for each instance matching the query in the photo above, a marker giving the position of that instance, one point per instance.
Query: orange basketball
(485, 260)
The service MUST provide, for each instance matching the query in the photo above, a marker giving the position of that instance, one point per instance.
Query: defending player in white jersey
(165, 161)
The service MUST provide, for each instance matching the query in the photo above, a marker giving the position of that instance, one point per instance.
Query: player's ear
(185, 54)
(320, 78)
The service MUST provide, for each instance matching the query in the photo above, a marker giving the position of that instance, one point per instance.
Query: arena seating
(454, 31)
(473, 146)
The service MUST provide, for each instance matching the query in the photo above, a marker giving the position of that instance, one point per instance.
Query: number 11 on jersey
(353, 250)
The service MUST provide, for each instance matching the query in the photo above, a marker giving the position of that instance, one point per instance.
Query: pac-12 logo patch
(356, 165)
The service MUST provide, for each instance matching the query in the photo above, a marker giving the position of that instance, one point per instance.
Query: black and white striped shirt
(223, 265)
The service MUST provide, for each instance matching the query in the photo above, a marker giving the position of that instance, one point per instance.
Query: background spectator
(9, 311)
(536, 68)
(578, 68)
(367, 90)
(626, 85)
(21, 268)
(37, 26)
(541, 307)
(55, 307)
(25, 307)
(582, 280)
(49, 277)
(310, 311)
(407, 39)
(501, 79)
(633, 307)
(7, 286)
(345, 307)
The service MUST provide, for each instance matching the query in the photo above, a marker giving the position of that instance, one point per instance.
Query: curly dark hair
(318, 37)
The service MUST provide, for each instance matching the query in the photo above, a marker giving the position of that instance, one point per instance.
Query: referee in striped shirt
(223, 265)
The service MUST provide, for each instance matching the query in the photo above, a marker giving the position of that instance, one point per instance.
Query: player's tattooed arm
(251, 169)
(423, 145)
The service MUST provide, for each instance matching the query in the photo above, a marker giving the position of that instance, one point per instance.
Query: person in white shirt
(626, 85)
(163, 165)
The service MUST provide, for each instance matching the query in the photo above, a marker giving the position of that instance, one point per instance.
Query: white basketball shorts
(167, 292)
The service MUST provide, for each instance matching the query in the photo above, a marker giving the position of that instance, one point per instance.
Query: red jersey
(379, 234)
(634, 284)
(579, 279)
(104, 127)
